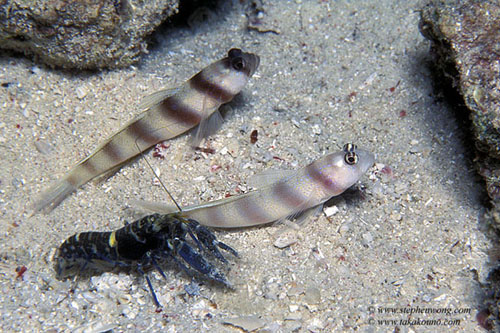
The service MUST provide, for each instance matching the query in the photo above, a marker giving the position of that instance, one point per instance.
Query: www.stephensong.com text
(438, 316)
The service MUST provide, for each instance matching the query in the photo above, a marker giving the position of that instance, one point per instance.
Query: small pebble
(16, 182)
(315, 325)
(272, 328)
(75, 305)
(295, 315)
(295, 290)
(294, 326)
(128, 312)
(344, 228)
(367, 238)
(246, 323)
(316, 129)
(272, 291)
(285, 240)
(312, 296)
(200, 309)
(330, 211)
(416, 149)
(43, 147)
(36, 70)
(396, 216)
(81, 92)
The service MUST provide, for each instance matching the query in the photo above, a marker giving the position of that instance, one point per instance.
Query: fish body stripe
(76, 178)
(321, 178)
(141, 129)
(112, 150)
(202, 84)
(251, 210)
(215, 215)
(288, 195)
(89, 167)
(93, 165)
(173, 109)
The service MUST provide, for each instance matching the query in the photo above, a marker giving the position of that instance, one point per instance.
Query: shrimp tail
(51, 198)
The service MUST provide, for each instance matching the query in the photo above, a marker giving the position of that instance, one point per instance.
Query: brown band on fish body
(215, 216)
(288, 195)
(74, 179)
(250, 209)
(112, 150)
(89, 166)
(319, 177)
(202, 84)
(140, 129)
(172, 108)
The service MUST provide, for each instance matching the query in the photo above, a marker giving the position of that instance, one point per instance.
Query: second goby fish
(168, 113)
(294, 192)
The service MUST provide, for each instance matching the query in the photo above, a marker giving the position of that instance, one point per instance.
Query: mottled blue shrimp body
(143, 244)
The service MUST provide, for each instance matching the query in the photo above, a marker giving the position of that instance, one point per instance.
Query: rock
(286, 240)
(465, 37)
(330, 211)
(246, 323)
(312, 296)
(368, 238)
(81, 92)
(89, 34)
(43, 147)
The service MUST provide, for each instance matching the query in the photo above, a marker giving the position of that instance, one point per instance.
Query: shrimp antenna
(156, 176)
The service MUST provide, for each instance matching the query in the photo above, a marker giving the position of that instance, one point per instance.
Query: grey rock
(465, 37)
(89, 34)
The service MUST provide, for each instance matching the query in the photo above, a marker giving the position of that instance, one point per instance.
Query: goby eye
(351, 158)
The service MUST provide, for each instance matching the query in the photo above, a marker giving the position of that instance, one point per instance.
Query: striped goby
(298, 191)
(167, 114)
